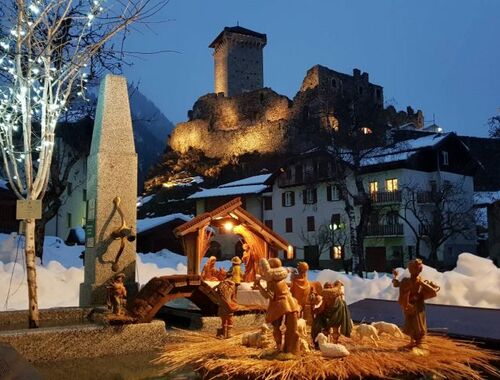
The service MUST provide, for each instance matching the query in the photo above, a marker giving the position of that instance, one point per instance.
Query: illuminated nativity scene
(301, 329)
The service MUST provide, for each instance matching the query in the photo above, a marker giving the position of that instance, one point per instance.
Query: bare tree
(494, 124)
(48, 51)
(437, 215)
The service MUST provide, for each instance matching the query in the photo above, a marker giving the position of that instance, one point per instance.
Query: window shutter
(293, 198)
(329, 193)
(283, 199)
(304, 196)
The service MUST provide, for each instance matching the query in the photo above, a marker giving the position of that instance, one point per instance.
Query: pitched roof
(238, 30)
(251, 185)
(230, 208)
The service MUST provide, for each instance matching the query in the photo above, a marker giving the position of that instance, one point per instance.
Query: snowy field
(474, 282)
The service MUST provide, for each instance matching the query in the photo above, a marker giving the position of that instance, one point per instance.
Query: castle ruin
(244, 117)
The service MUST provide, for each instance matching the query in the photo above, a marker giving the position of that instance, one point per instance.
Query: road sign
(29, 209)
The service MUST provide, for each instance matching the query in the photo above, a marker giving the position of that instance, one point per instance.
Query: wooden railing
(386, 196)
(385, 230)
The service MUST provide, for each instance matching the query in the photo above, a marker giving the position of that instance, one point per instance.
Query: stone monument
(112, 196)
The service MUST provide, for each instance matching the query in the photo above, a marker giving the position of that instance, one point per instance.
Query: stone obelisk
(111, 173)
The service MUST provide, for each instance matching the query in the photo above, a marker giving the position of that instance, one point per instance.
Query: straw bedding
(228, 359)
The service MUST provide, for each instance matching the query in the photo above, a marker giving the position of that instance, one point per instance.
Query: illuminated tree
(48, 52)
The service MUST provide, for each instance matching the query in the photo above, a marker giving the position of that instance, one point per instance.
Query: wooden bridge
(161, 290)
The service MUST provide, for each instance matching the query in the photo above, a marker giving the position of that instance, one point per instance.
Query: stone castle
(242, 116)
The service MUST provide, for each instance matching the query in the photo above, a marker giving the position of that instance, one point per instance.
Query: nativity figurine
(250, 262)
(117, 295)
(330, 311)
(282, 305)
(413, 291)
(227, 305)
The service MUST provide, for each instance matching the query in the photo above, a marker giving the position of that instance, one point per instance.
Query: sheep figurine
(257, 339)
(366, 331)
(330, 350)
(388, 328)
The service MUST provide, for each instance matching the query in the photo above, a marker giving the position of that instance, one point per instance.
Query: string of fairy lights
(42, 66)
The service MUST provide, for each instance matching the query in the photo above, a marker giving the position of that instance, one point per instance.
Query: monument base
(85, 340)
(97, 295)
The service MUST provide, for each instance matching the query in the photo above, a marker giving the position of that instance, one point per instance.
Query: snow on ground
(474, 282)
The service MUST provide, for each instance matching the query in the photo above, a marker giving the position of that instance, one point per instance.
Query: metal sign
(30, 209)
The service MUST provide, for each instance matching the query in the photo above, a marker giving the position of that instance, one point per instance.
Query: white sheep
(330, 350)
(388, 328)
(363, 330)
(257, 339)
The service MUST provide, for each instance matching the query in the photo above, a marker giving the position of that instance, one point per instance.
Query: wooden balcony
(386, 197)
(385, 230)
(426, 196)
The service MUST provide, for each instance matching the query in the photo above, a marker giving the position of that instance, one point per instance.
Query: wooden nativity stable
(232, 218)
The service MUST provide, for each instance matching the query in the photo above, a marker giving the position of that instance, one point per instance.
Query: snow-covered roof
(255, 180)
(402, 150)
(484, 198)
(149, 223)
(229, 191)
(250, 185)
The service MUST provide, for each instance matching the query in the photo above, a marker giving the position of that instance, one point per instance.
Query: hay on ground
(228, 359)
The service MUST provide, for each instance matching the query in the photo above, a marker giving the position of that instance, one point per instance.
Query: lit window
(366, 131)
(445, 157)
(336, 252)
(391, 184)
(373, 187)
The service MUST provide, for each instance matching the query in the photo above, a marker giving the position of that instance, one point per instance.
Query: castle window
(360, 90)
(378, 93)
(334, 83)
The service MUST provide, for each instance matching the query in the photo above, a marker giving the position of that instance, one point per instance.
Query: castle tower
(238, 60)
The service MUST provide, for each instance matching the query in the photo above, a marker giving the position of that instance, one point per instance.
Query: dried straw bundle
(228, 359)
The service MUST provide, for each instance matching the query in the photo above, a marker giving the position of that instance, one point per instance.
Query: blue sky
(439, 56)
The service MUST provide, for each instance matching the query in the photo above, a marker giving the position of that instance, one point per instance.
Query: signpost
(29, 209)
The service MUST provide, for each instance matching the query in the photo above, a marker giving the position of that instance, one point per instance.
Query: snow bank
(474, 282)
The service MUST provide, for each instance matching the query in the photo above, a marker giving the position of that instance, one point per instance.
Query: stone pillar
(111, 173)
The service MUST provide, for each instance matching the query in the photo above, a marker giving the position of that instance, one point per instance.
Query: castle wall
(266, 137)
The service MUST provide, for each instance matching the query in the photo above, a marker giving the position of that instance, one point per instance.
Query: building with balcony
(312, 205)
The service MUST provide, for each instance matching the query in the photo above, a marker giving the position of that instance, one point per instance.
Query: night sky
(439, 56)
